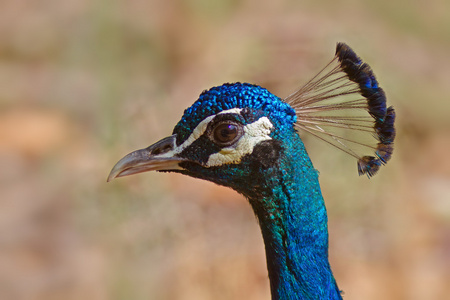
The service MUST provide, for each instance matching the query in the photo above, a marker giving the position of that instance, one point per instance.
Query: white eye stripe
(198, 132)
(231, 111)
(254, 133)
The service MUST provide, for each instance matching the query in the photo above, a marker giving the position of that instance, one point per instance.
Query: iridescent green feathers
(345, 95)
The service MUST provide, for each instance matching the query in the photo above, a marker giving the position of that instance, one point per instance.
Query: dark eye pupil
(225, 133)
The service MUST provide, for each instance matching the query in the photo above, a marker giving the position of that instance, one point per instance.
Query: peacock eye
(226, 133)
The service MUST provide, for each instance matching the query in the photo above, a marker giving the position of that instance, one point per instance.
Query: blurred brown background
(84, 82)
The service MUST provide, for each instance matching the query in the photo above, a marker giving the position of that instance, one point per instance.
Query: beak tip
(112, 175)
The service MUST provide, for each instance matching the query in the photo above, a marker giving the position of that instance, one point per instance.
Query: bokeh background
(84, 82)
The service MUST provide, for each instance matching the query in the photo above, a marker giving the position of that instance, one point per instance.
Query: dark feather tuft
(368, 165)
(344, 52)
(384, 152)
(385, 130)
(376, 101)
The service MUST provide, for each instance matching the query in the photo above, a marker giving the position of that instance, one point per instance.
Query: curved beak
(160, 156)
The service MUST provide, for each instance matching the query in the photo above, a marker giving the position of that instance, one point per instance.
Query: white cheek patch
(254, 133)
(198, 132)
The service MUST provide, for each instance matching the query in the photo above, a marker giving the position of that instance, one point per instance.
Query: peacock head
(236, 134)
(233, 134)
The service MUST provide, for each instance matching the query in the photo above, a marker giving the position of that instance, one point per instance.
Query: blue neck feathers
(293, 221)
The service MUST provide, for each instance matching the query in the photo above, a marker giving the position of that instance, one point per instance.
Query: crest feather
(345, 95)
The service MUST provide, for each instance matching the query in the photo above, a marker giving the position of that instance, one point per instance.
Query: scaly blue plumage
(234, 95)
(293, 221)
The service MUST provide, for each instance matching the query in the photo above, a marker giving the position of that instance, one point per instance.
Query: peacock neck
(293, 221)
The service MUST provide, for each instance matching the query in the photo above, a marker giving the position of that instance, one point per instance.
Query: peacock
(242, 136)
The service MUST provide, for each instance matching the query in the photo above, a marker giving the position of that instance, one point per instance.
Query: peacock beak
(160, 156)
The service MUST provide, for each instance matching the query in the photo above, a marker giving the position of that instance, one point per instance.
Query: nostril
(163, 146)
(161, 150)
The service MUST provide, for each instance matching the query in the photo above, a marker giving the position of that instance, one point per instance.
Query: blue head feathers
(235, 95)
